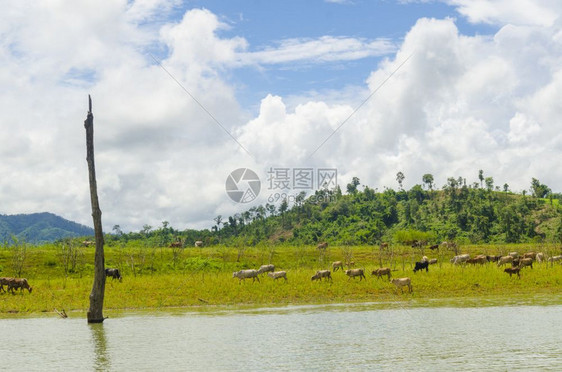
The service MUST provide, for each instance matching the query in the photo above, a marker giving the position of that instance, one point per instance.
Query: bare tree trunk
(95, 313)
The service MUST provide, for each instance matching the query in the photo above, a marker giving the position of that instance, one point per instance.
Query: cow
(513, 254)
(433, 261)
(381, 271)
(505, 260)
(18, 283)
(384, 245)
(540, 257)
(198, 243)
(177, 244)
(322, 274)
(352, 273)
(513, 270)
(401, 283)
(555, 259)
(278, 274)
(422, 265)
(523, 262)
(480, 259)
(337, 265)
(460, 259)
(266, 268)
(114, 273)
(87, 243)
(532, 255)
(493, 258)
(246, 274)
(322, 246)
(424, 259)
(434, 247)
(4, 282)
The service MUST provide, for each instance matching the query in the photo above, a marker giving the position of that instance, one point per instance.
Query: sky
(186, 92)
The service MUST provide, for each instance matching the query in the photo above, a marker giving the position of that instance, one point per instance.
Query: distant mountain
(39, 228)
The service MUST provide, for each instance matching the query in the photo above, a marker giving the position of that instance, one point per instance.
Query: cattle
(493, 258)
(513, 270)
(87, 243)
(460, 259)
(351, 264)
(525, 262)
(422, 265)
(177, 244)
(198, 243)
(540, 257)
(434, 247)
(337, 265)
(433, 261)
(352, 273)
(424, 259)
(401, 283)
(246, 274)
(481, 259)
(114, 273)
(278, 274)
(513, 254)
(384, 245)
(322, 246)
(555, 259)
(322, 274)
(381, 271)
(505, 260)
(18, 283)
(266, 268)
(532, 255)
(449, 245)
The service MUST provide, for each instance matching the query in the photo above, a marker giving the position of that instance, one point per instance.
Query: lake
(323, 337)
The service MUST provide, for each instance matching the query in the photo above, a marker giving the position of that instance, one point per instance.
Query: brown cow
(525, 262)
(381, 271)
(513, 270)
(322, 246)
(532, 255)
(352, 273)
(18, 283)
(337, 265)
(322, 274)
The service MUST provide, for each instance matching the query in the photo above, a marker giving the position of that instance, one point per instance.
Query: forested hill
(39, 228)
(466, 214)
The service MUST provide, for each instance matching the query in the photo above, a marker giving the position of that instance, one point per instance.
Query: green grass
(156, 278)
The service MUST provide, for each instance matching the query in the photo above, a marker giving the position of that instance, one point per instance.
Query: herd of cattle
(516, 261)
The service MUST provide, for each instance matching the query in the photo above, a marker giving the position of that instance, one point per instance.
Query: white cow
(460, 259)
(401, 283)
(245, 274)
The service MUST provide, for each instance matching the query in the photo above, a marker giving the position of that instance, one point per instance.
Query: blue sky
(480, 90)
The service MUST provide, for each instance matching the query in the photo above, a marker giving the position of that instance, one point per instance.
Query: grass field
(161, 277)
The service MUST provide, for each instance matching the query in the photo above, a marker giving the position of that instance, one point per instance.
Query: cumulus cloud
(459, 104)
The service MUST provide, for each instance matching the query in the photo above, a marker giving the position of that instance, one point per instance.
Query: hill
(39, 228)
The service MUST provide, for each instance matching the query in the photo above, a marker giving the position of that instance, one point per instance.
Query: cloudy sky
(184, 92)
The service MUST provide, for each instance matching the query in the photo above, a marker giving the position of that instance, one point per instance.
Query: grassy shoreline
(159, 279)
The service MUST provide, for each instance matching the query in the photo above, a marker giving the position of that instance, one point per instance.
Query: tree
(539, 190)
(282, 209)
(489, 183)
(400, 178)
(481, 176)
(505, 187)
(117, 230)
(428, 180)
(352, 187)
(95, 313)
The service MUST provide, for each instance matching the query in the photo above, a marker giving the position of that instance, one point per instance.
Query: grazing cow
(199, 243)
(87, 243)
(481, 259)
(505, 260)
(424, 259)
(434, 247)
(337, 265)
(177, 244)
(460, 259)
(513, 270)
(525, 262)
(381, 271)
(278, 274)
(422, 265)
(555, 259)
(352, 273)
(18, 283)
(266, 268)
(246, 274)
(540, 257)
(4, 282)
(322, 246)
(513, 254)
(433, 261)
(493, 258)
(449, 245)
(322, 274)
(532, 255)
(114, 273)
(401, 283)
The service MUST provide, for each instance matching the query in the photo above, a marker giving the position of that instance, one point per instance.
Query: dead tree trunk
(95, 313)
